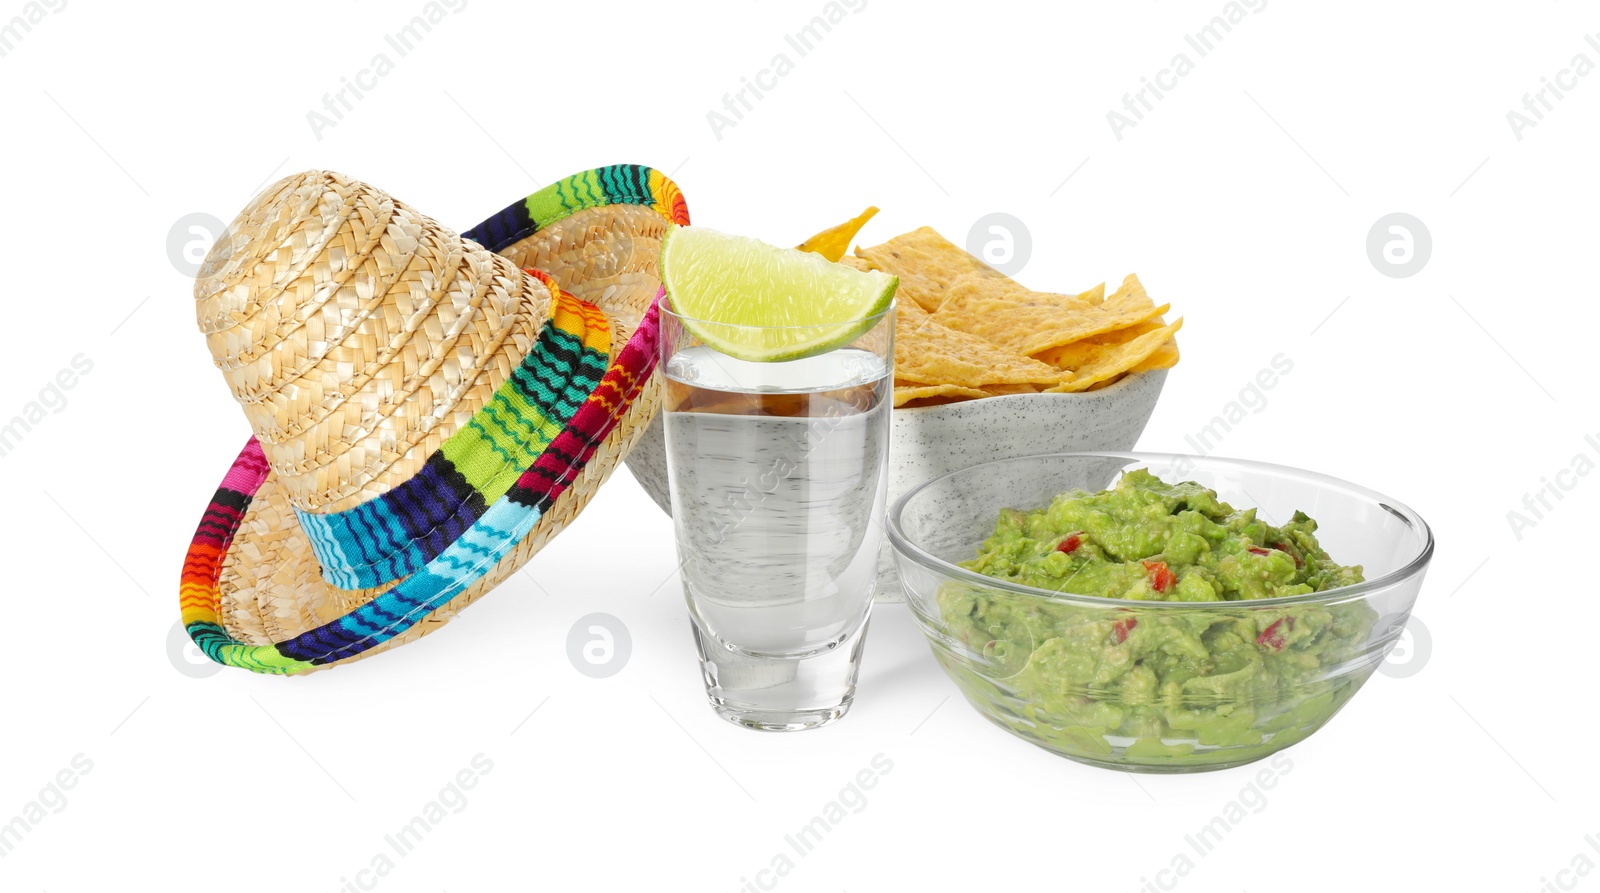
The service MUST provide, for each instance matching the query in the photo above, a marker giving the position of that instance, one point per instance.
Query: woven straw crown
(359, 336)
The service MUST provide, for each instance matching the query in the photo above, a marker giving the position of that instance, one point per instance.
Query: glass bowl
(1156, 686)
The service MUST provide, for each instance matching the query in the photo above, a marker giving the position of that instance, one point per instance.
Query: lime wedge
(762, 303)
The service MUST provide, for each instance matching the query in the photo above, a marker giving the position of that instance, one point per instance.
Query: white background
(1244, 197)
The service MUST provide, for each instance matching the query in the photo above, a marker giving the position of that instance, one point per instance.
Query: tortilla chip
(932, 394)
(927, 265)
(928, 353)
(1165, 357)
(833, 242)
(1095, 296)
(1003, 390)
(1071, 356)
(859, 263)
(1109, 360)
(1030, 322)
(1076, 354)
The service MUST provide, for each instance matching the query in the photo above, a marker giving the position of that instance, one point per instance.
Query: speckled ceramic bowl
(929, 441)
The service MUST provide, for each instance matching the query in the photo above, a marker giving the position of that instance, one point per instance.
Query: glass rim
(874, 320)
(902, 543)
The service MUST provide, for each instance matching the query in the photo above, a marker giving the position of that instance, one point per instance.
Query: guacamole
(1159, 684)
(1152, 541)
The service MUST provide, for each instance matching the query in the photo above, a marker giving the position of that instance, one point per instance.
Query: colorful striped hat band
(485, 487)
(393, 535)
(479, 547)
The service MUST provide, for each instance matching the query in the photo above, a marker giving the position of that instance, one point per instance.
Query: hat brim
(253, 594)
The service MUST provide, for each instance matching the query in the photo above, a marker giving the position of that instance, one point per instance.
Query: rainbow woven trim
(616, 184)
(479, 548)
(395, 534)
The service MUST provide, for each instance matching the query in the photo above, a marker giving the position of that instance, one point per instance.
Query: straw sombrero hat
(428, 413)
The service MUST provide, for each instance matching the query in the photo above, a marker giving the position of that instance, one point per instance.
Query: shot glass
(777, 473)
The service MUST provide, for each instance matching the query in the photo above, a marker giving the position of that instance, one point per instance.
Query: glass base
(780, 694)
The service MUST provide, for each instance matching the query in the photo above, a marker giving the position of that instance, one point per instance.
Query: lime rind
(761, 303)
(776, 345)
